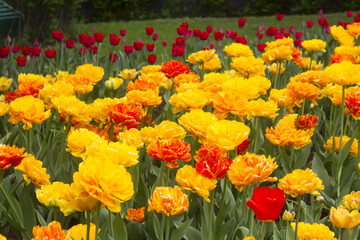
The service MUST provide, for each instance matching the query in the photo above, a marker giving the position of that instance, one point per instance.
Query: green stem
(222, 202)
(2, 171)
(97, 220)
(62, 150)
(263, 230)
(55, 213)
(211, 209)
(167, 176)
(341, 137)
(167, 233)
(281, 153)
(28, 141)
(88, 225)
(162, 172)
(111, 224)
(297, 216)
(346, 122)
(258, 124)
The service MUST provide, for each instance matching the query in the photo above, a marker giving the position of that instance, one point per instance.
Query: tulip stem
(279, 155)
(167, 176)
(297, 216)
(258, 124)
(341, 137)
(88, 225)
(97, 220)
(263, 230)
(111, 224)
(167, 233)
(211, 213)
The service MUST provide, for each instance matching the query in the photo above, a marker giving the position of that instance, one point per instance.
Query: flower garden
(223, 137)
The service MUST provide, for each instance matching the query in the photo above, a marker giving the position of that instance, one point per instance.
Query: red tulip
(155, 36)
(151, 58)
(150, 47)
(291, 29)
(241, 40)
(49, 53)
(180, 41)
(164, 43)
(94, 49)
(286, 34)
(323, 22)
(271, 31)
(15, 49)
(209, 29)
(138, 46)
(26, 50)
(184, 25)
(82, 50)
(123, 32)
(128, 49)
(99, 37)
(204, 36)
(298, 35)
(113, 57)
(21, 61)
(279, 35)
(261, 47)
(219, 36)
(35, 51)
(181, 30)
(297, 42)
(279, 16)
(233, 34)
(349, 13)
(57, 35)
(4, 52)
(196, 32)
(114, 40)
(241, 22)
(267, 203)
(259, 35)
(70, 43)
(309, 24)
(149, 31)
(177, 51)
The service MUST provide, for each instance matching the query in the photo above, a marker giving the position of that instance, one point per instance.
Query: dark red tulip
(151, 58)
(50, 53)
(21, 61)
(99, 37)
(70, 43)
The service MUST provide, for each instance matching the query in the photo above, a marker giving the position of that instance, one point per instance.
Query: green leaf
(181, 230)
(225, 229)
(276, 235)
(302, 157)
(319, 168)
(224, 211)
(40, 218)
(193, 234)
(27, 209)
(119, 228)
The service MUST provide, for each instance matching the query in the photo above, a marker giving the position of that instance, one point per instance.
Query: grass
(166, 28)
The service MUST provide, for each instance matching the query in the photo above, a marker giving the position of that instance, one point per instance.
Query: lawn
(166, 28)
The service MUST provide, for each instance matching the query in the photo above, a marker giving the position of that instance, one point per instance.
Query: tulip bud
(312, 105)
(113, 83)
(320, 199)
(50, 79)
(359, 167)
(288, 216)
